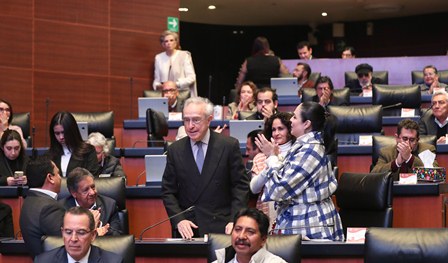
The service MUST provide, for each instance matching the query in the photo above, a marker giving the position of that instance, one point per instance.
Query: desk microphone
(392, 106)
(138, 177)
(426, 111)
(191, 208)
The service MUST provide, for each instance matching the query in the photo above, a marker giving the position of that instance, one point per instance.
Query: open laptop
(240, 128)
(154, 166)
(285, 86)
(157, 104)
(83, 129)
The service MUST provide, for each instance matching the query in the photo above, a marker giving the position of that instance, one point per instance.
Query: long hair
(11, 135)
(260, 46)
(252, 86)
(315, 113)
(285, 119)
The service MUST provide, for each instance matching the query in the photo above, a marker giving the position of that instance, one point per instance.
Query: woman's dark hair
(10, 110)
(11, 135)
(72, 137)
(260, 46)
(315, 113)
(324, 79)
(285, 119)
(252, 86)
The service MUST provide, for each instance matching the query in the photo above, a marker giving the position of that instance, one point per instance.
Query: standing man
(431, 80)
(204, 170)
(41, 214)
(78, 232)
(303, 72)
(365, 79)
(304, 50)
(267, 103)
(170, 91)
(436, 123)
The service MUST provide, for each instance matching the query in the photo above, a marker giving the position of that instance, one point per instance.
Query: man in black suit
(218, 190)
(78, 232)
(324, 93)
(435, 122)
(267, 103)
(364, 81)
(170, 91)
(41, 214)
(81, 185)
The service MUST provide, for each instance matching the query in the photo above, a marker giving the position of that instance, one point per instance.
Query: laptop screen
(239, 129)
(83, 129)
(285, 86)
(157, 104)
(155, 167)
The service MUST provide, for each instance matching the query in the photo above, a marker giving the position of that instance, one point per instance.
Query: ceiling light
(211, 7)
(324, 14)
(183, 9)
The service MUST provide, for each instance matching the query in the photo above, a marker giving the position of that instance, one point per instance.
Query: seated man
(348, 52)
(304, 50)
(403, 156)
(249, 235)
(436, 123)
(78, 232)
(267, 103)
(108, 164)
(431, 80)
(302, 72)
(81, 186)
(324, 91)
(364, 81)
(170, 91)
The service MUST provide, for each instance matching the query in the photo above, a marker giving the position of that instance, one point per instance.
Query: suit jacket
(111, 166)
(40, 216)
(109, 212)
(427, 125)
(389, 154)
(89, 162)
(6, 224)
(334, 101)
(7, 167)
(356, 88)
(97, 255)
(217, 193)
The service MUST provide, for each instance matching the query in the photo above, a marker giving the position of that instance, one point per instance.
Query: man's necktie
(199, 156)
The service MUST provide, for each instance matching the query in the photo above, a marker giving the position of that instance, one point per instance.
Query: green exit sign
(173, 24)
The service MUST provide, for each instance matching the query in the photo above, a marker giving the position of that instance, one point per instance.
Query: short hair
(98, 139)
(431, 66)
(409, 125)
(267, 89)
(253, 134)
(252, 86)
(306, 67)
(303, 44)
(325, 79)
(351, 49)
(440, 92)
(10, 110)
(285, 119)
(75, 176)
(37, 170)
(261, 218)
(78, 211)
(169, 33)
(200, 100)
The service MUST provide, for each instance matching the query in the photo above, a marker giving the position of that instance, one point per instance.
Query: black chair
(395, 97)
(355, 121)
(122, 245)
(383, 77)
(406, 245)
(417, 76)
(232, 96)
(113, 187)
(314, 76)
(156, 127)
(102, 122)
(23, 121)
(365, 199)
(341, 96)
(284, 246)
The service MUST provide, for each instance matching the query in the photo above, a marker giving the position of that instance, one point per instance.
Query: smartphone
(18, 174)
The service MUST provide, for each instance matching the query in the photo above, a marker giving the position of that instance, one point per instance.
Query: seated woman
(108, 164)
(6, 115)
(12, 159)
(245, 100)
(67, 149)
(302, 182)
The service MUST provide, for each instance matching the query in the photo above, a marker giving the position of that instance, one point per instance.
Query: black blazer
(6, 170)
(89, 162)
(97, 255)
(217, 194)
(111, 166)
(6, 224)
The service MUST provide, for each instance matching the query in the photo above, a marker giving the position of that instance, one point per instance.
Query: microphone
(223, 110)
(138, 177)
(131, 87)
(426, 111)
(392, 106)
(191, 208)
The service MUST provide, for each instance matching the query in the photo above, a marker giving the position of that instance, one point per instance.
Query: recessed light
(183, 9)
(324, 14)
(211, 7)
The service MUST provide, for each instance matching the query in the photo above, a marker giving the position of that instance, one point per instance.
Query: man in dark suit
(436, 123)
(170, 91)
(78, 232)
(267, 103)
(81, 185)
(41, 214)
(403, 156)
(204, 169)
(364, 81)
(324, 93)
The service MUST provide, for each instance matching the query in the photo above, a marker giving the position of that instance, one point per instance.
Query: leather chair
(314, 76)
(341, 96)
(365, 199)
(355, 121)
(156, 127)
(23, 121)
(388, 95)
(102, 122)
(380, 142)
(284, 246)
(113, 187)
(122, 245)
(383, 76)
(232, 96)
(417, 76)
(406, 245)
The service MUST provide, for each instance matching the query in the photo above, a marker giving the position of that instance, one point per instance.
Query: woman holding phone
(12, 159)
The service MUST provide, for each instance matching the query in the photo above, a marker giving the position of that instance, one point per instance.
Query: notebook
(158, 104)
(285, 86)
(83, 129)
(240, 128)
(154, 166)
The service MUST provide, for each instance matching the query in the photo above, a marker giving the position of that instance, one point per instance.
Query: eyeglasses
(5, 109)
(195, 120)
(169, 90)
(360, 75)
(411, 140)
(79, 233)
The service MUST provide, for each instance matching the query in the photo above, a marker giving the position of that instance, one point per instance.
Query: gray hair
(200, 100)
(98, 139)
(440, 92)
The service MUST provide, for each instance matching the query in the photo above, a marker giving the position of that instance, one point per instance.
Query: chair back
(382, 76)
(284, 246)
(156, 127)
(365, 199)
(353, 121)
(23, 121)
(122, 245)
(314, 76)
(417, 76)
(408, 96)
(340, 96)
(183, 94)
(102, 122)
(406, 245)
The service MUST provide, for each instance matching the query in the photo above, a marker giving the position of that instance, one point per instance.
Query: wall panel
(15, 44)
(18, 8)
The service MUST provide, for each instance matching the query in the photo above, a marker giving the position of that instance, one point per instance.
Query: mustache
(242, 242)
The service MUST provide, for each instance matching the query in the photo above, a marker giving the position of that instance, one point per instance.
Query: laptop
(157, 104)
(285, 86)
(240, 128)
(83, 129)
(154, 166)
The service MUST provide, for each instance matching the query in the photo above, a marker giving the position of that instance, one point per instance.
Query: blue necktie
(199, 156)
